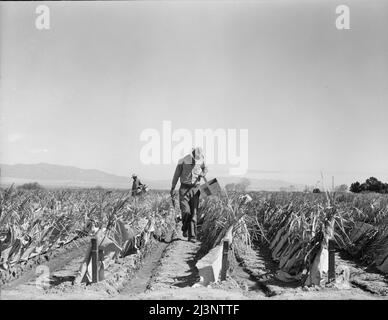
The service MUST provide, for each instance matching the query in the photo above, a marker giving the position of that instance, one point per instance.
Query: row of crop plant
(296, 227)
(37, 222)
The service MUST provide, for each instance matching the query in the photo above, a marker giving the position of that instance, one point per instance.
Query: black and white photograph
(194, 151)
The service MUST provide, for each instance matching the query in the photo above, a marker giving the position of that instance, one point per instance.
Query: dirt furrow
(58, 269)
(258, 263)
(368, 279)
(142, 278)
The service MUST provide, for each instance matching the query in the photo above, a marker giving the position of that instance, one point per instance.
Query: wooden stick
(225, 263)
(94, 253)
(331, 272)
(101, 271)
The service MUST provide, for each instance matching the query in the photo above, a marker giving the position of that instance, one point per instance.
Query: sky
(313, 98)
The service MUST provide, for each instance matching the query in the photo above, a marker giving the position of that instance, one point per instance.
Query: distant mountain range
(68, 176)
(58, 175)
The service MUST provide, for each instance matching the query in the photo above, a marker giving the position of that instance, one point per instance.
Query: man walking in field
(190, 170)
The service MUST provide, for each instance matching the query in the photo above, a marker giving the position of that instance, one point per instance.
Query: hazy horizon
(272, 176)
(313, 98)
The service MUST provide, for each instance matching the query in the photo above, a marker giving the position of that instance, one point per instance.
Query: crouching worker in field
(137, 186)
(189, 171)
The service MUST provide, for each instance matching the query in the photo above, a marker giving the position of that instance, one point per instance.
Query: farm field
(277, 242)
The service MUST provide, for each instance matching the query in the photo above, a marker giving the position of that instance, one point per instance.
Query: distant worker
(190, 170)
(137, 186)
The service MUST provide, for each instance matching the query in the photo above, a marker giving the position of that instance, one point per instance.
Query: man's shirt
(188, 170)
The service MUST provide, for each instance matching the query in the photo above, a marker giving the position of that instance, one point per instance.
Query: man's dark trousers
(188, 202)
